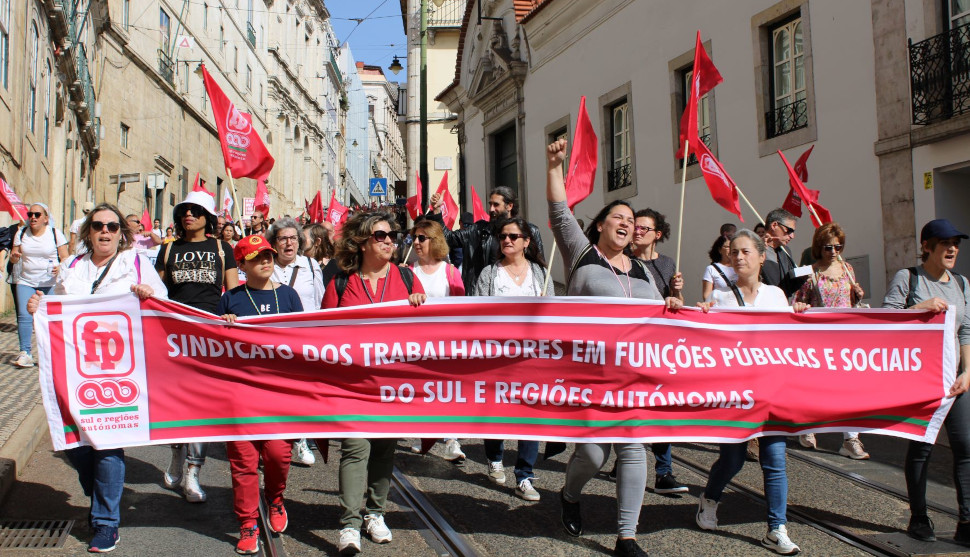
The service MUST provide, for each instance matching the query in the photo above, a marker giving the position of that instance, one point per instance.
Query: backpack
(54, 232)
(342, 278)
(914, 282)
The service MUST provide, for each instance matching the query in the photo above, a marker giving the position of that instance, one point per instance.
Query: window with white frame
(619, 174)
(125, 131)
(126, 14)
(165, 29)
(48, 85)
(249, 78)
(703, 114)
(4, 43)
(32, 86)
(789, 104)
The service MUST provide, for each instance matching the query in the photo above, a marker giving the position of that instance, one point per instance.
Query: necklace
(627, 292)
(367, 288)
(256, 307)
(517, 277)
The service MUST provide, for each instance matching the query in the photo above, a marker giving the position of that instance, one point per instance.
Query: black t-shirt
(194, 271)
(242, 301)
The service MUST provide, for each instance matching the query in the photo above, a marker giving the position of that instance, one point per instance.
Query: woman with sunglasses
(107, 266)
(599, 266)
(367, 276)
(832, 285)
(196, 268)
(38, 250)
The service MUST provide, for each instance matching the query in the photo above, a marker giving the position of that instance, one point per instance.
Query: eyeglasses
(511, 236)
(643, 229)
(789, 231)
(833, 247)
(112, 227)
(421, 238)
(285, 239)
(32, 215)
(381, 235)
(255, 217)
(196, 210)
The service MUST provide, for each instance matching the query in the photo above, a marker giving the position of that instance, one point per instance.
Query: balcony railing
(692, 160)
(166, 67)
(786, 118)
(251, 34)
(939, 73)
(449, 14)
(620, 177)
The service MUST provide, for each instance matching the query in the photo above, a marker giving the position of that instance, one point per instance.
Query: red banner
(568, 369)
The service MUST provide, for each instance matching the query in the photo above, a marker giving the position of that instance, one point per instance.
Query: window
(249, 78)
(126, 14)
(32, 86)
(125, 130)
(235, 59)
(222, 38)
(789, 108)
(561, 132)
(619, 173)
(505, 167)
(260, 94)
(165, 29)
(49, 78)
(4, 43)
(959, 12)
(705, 117)
(205, 16)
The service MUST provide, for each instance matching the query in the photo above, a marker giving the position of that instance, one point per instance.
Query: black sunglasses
(832, 247)
(31, 215)
(196, 210)
(380, 235)
(788, 230)
(511, 236)
(112, 227)
(421, 238)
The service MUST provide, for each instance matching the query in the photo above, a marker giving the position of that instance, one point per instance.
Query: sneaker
(172, 477)
(24, 360)
(248, 543)
(627, 547)
(853, 449)
(453, 452)
(105, 539)
(807, 441)
(962, 535)
(278, 521)
(921, 528)
(190, 485)
(496, 471)
(668, 484)
(526, 491)
(349, 543)
(572, 518)
(302, 453)
(706, 513)
(376, 529)
(778, 541)
(752, 452)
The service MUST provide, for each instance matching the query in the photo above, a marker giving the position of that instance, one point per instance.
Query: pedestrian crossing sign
(378, 187)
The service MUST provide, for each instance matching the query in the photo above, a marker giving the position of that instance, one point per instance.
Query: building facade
(355, 175)
(385, 144)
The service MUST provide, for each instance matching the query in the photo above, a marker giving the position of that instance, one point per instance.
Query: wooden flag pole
(235, 198)
(683, 189)
(750, 206)
(837, 255)
(552, 256)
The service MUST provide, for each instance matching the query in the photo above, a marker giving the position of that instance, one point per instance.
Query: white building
(386, 146)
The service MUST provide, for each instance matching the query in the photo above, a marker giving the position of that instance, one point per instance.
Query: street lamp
(395, 66)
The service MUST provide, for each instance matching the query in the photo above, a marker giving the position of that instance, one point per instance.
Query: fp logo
(103, 344)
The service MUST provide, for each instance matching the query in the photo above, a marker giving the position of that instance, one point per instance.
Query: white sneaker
(853, 449)
(526, 491)
(349, 543)
(302, 453)
(190, 485)
(778, 541)
(807, 441)
(376, 529)
(173, 476)
(24, 360)
(453, 451)
(707, 513)
(496, 471)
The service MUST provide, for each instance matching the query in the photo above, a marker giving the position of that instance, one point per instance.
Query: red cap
(250, 246)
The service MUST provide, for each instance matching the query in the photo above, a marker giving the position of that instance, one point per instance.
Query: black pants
(917, 458)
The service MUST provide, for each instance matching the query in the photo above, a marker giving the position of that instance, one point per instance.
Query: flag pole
(750, 206)
(838, 255)
(552, 256)
(235, 205)
(683, 189)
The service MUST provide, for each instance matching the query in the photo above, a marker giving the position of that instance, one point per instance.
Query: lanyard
(104, 273)
(612, 270)
(367, 288)
(256, 307)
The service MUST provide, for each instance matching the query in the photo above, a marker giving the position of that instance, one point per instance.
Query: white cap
(201, 199)
(87, 207)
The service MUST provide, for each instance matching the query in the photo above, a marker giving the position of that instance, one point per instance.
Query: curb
(16, 452)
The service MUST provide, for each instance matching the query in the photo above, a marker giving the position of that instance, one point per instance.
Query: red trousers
(244, 465)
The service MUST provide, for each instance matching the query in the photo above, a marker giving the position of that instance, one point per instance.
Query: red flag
(800, 165)
(793, 203)
(449, 211)
(242, 149)
(582, 164)
(722, 187)
(479, 211)
(809, 197)
(11, 203)
(414, 204)
(262, 198)
(704, 78)
(199, 185)
(315, 210)
(146, 219)
(336, 212)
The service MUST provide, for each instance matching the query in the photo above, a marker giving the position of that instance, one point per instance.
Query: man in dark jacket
(477, 242)
(779, 267)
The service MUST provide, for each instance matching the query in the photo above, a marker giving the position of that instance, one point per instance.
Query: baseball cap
(201, 199)
(87, 207)
(940, 228)
(251, 246)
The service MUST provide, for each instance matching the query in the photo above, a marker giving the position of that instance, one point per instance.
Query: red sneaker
(278, 521)
(248, 540)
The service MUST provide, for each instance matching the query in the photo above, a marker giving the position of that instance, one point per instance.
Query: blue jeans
(524, 462)
(772, 457)
(25, 321)
(661, 453)
(102, 477)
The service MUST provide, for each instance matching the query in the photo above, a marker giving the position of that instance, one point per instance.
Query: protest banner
(566, 369)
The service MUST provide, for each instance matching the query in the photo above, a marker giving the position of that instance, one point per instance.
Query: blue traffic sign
(378, 187)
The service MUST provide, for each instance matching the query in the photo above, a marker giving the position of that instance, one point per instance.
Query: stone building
(385, 144)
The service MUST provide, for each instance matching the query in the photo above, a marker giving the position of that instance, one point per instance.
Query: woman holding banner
(933, 286)
(367, 277)
(599, 266)
(108, 266)
(747, 256)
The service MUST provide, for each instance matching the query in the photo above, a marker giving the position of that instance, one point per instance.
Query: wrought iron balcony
(939, 73)
(251, 34)
(692, 160)
(449, 14)
(166, 67)
(619, 177)
(786, 118)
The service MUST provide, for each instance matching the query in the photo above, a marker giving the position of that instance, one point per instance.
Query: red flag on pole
(262, 198)
(479, 212)
(722, 187)
(809, 197)
(793, 203)
(244, 153)
(704, 78)
(316, 211)
(146, 219)
(800, 165)
(582, 163)
(414, 203)
(449, 211)
(11, 203)
(336, 212)
(199, 185)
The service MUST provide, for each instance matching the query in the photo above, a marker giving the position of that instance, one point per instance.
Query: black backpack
(914, 282)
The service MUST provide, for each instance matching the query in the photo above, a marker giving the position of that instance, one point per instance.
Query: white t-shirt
(436, 284)
(505, 286)
(124, 272)
(712, 276)
(768, 297)
(308, 282)
(38, 256)
(79, 247)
